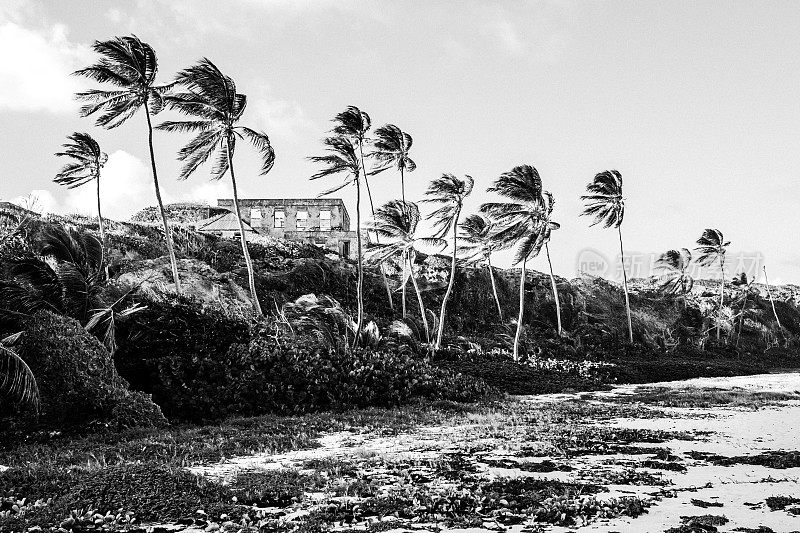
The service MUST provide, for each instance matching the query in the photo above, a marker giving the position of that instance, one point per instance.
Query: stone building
(320, 221)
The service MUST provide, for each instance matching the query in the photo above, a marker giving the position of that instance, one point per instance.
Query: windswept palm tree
(522, 222)
(675, 278)
(353, 124)
(478, 244)
(548, 226)
(712, 247)
(391, 150)
(88, 159)
(341, 158)
(397, 221)
(211, 98)
(131, 66)
(606, 204)
(449, 193)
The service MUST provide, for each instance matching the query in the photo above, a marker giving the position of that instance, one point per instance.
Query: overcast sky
(696, 103)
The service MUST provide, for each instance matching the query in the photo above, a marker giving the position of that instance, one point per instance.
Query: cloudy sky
(696, 103)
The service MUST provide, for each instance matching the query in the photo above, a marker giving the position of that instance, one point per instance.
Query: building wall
(338, 239)
(339, 217)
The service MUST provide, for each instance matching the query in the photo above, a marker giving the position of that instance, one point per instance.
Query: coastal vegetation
(132, 357)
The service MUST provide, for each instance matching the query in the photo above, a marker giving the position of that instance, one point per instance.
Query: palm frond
(17, 382)
(604, 201)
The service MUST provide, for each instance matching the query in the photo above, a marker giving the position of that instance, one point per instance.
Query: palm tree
(342, 159)
(397, 221)
(523, 223)
(88, 159)
(391, 150)
(353, 124)
(675, 278)
(479, 243)
(449, 192)
(606, 204)
(712, 247)
(771, 301)
(212, 99)
(130, 65)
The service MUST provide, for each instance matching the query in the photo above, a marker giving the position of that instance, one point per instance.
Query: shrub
(77, 379)
(277, 372)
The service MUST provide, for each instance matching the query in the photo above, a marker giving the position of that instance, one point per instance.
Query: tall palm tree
(341, 158)
(548, 226)
(88, 159)
(353, 124)
(211, 98)
(771, 301)
(675, 278)
(449, 192)
(478, 244)
(606, 204)
(397, 221)
(131, 66)
(712, 247)
(391, 150)
(522, 221)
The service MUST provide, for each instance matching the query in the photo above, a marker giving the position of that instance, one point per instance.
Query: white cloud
(36, 69)
(126, 186)
(279, 118)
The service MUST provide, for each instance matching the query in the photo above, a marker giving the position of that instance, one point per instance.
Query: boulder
(199, 282)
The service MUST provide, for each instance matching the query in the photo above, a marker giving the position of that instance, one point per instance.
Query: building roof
(222, 222)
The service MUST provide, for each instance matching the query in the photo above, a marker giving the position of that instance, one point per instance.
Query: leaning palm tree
(548, 226)
(211, 98)
(131, 66)
(391, 150)
(675, 278)
(523, 223)
(712, 247)
(343, 159)
(606, 204)
(397, 221)
(478, 244)
(353, 124)
(88, 159)
(449, 193)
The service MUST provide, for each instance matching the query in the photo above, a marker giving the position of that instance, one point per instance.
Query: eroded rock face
(198, 281)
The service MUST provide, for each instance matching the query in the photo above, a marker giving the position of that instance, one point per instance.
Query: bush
(77, 379)
(279, 373)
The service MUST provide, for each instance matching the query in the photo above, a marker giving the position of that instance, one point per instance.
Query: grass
(109, 478)
(709, 397)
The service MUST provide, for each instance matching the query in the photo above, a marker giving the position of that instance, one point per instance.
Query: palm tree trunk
(741, 315)
(251, 277)
(494, 288)
(521, 310)
(419, 301)
(721, 293)
(167, 233)
(402, 184)
(771, 301)
(625, 286)
(450, 283)
(100, 220)
(377, 238)
(555, 289)
(360, 282)
(405, 281)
